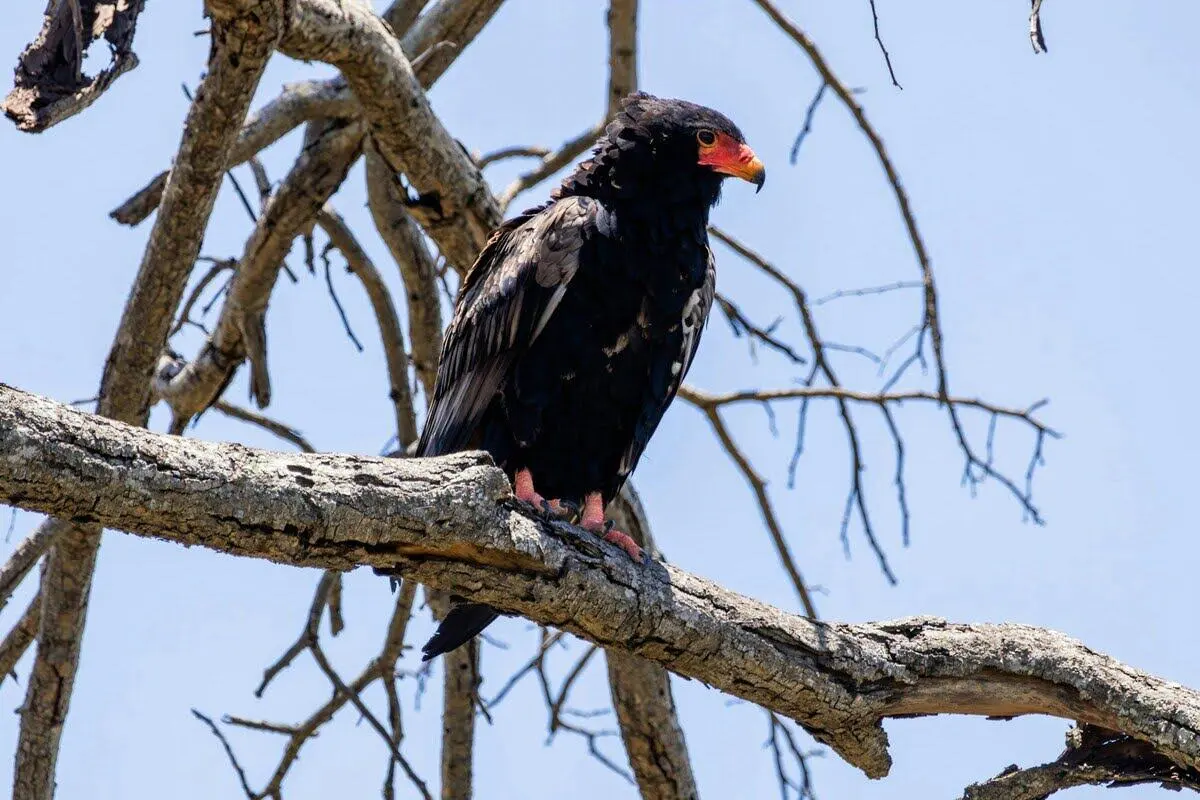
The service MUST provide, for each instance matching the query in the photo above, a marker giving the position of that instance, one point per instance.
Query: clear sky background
(1057, 194)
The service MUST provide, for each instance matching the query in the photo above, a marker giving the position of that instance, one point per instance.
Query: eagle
(575, 327)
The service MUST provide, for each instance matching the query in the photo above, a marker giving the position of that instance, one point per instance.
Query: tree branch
(453, 202)
(1094, 756)
(306, 101)
(395, 355)
(456, 21)
(49, 84)
(622, 53)
(20, 637)
(449, 523)
(240, 331)
(641, 694)
(241, 45)
(551, 163)
(406, 243)
(25, 555)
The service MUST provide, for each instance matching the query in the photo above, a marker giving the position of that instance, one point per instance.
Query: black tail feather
(462, 624)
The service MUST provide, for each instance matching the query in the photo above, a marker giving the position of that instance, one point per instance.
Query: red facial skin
(730, 157)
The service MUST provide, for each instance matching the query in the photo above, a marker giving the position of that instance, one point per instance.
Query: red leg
(523, 489)
(593, 520)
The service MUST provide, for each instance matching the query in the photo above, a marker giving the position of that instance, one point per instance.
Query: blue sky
(1057, 195)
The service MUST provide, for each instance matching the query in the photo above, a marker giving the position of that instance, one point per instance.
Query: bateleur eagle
(577, 324)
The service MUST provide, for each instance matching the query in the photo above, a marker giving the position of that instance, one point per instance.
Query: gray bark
(449, 523)
(241, 45)
(641, 694)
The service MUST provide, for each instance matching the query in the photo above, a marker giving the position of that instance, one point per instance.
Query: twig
(556, 707)
(806, 128)
(511, 152)
(241, 773)
(741, 325)
(534, 663)
(887, 59)
(259, 725)
(803, 788)
(1026, 415)
(1036, 37)
(217, 267)
(338, 303)
(284, 432)
(395, 355)
(551, 163)
(867, 290)
(759, 487)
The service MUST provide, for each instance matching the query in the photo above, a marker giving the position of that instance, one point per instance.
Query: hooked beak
(739, 161)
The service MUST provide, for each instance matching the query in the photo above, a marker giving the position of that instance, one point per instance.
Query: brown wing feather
(515, 285)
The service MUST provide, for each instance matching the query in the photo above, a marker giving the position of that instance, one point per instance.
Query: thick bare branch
(1094, 756)
(456, 21)
(241, 45)
(49, 84)
(306, 101)
(17, 641)
(458, 721)
(417, 267)
(622, 52)
(401, 14)
(641, 694)
(550, 164)
(448, 522)
(1036, 37)
(240, 332)
(395, 355)
(26, 554)
(452, 200)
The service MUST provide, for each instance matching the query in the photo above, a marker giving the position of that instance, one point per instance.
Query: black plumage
(576, 326)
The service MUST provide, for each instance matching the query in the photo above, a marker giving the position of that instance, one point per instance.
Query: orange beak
(735, 158)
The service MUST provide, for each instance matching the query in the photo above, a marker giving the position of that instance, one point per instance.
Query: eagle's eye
(706, 138)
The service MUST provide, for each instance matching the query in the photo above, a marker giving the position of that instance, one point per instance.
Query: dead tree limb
(50, 85)
(240, 332)
(449, 523)
(241, 45)
(641, 694)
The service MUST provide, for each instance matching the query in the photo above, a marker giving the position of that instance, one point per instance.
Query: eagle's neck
(634, 180)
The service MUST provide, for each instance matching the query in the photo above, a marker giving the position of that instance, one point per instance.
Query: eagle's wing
(671, 365)
(506, 300)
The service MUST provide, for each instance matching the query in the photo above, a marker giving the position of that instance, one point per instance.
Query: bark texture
(452, 201)
(641, 694)
(449, 522)
(50, 85)
(241, 44)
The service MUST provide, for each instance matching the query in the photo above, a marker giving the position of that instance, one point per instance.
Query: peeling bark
(241, 46)
(49, 83)
(449, 522)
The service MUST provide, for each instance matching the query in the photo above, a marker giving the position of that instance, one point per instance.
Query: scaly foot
(556, 509)
(593, 520)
